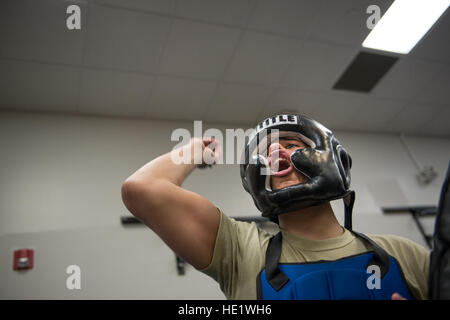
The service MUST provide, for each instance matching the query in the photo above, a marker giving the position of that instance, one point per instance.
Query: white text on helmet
(277, 120)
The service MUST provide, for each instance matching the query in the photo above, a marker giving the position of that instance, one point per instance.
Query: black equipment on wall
(180, 263)
(416, 212)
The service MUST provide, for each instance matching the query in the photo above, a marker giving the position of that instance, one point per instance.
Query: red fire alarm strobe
(23, 259)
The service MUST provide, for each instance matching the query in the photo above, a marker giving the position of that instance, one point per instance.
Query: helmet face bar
(324, 161)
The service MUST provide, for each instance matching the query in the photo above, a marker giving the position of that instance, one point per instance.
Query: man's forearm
(163, 168)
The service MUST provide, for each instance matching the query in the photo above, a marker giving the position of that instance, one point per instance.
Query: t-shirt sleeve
(413, 259)
(227, 252)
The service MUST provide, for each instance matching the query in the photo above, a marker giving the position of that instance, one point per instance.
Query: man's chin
(283, 184)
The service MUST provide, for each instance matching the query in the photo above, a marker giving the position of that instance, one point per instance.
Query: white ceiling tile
(406, 79)
(344, 21)
(336, 109)
(288, 100)
(374, 114)
(317, 66)
(124, 40)
(132, 35)
(114, 93)
(261, 59)
(286, 17)
(438, 124)
(232, 12)
(238, 104)
(35, 86)
(180, 99)
(437, 90)
(198, 49)
(161, 6)
(436, 45)
(332, 109)
(411, 118)
(37, 30)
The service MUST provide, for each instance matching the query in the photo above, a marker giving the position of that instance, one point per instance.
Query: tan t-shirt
(239, 256)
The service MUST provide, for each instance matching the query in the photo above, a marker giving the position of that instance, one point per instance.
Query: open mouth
(280, 164)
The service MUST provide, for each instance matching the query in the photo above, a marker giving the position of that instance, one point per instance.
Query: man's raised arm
(184, 220)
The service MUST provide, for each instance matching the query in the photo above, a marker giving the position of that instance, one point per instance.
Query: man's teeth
(277, 163)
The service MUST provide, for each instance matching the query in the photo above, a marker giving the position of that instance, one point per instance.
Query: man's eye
(291, 145)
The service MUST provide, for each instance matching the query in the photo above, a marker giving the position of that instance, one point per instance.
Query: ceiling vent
(365, 71)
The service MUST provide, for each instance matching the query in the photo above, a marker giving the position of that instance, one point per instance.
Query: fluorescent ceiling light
(404, 24)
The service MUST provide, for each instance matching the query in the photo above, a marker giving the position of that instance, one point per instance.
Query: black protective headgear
(324, 162)
(439, 273)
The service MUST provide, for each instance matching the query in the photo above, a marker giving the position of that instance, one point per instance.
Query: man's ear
(344, 164)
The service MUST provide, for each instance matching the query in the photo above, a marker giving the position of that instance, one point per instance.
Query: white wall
(61, 177)
(115, 263)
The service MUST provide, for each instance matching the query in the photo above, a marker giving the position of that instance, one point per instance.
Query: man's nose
(275, 146)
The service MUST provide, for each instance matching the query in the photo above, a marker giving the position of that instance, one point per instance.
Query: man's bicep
(184, 220)
(224, 265)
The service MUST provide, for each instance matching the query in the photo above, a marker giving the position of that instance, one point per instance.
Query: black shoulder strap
(380, 256)
(274, 276)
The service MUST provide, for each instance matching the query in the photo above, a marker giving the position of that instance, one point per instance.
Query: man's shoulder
(246, 230)
(395, 241)
(400, 247)
(412, 257)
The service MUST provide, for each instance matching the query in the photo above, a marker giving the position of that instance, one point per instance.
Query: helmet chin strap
(349, 201)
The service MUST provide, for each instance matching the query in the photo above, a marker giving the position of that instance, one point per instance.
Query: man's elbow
(139, 196)
(130, 190)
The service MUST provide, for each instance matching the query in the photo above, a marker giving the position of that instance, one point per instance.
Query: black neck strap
(349, 201)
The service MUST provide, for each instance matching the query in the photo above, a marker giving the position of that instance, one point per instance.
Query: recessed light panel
(404, 24)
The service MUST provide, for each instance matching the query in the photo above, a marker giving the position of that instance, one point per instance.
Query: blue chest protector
(347, 278)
